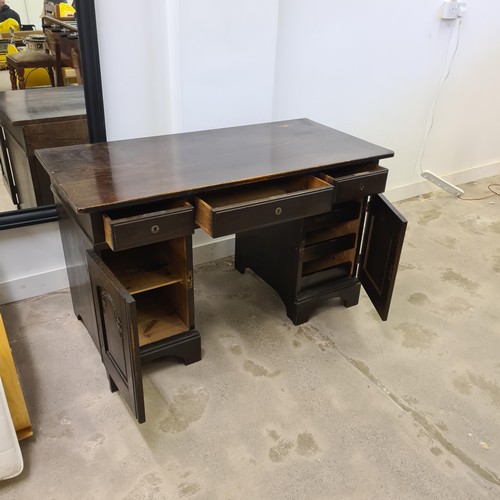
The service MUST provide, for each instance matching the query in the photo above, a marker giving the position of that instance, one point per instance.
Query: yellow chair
(5, 27)
(33, 77)
(65, 11)
(9, 23)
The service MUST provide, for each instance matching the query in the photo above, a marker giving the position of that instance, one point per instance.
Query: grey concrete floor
(345, 406)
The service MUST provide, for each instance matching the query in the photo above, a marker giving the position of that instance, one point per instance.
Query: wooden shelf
(145, 268)
(336, 260)
(141, 280)
(325, 275)
(156, 321)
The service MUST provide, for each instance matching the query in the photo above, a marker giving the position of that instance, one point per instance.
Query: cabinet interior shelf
(142, 280)
(145, 268)
(338, 261)
(156, 320)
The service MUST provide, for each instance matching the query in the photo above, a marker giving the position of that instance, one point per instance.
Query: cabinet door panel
(383, 240)
(117, 324)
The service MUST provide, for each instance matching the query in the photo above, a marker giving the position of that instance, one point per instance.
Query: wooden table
(301, 198)
(34, 119)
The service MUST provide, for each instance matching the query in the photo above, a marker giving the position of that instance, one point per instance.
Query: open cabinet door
(383, 240)
(117, 324)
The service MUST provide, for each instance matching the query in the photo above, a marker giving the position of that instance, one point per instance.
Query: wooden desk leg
(13, 78)
(20, 77)
(51, 76)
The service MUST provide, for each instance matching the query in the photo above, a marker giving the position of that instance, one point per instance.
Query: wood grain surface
(42, 105)
(108, 175)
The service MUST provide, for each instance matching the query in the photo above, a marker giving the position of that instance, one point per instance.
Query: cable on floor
(490, 187)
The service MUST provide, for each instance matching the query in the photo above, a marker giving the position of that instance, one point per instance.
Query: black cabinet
(357, 242)
(143, 300)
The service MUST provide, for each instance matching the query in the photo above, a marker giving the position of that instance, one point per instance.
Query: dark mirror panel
(39, 118)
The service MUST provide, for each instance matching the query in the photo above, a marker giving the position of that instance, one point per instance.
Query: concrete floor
(345, 406)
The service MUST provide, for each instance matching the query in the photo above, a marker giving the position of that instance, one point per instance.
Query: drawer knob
(278, 211)
(155, 229)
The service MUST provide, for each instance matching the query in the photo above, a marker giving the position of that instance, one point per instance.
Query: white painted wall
(227, 53)
(28, 10)
(32, 262)
(210, 65)
(134, 68)
(371, 69)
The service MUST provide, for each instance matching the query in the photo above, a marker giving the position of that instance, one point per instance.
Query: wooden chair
(19, 62)
(61, 38)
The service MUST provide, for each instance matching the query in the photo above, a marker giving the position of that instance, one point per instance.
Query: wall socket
(453, 9)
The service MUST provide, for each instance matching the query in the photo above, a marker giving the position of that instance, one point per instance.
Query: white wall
(29, 11)
(371, 69)
(210, 65)
(32, 262)
(134, 68)
(227, 52)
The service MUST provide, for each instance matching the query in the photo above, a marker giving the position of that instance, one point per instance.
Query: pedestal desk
(34, 119)
(303, 200)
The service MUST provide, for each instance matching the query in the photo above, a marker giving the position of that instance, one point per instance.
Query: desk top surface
(94, 177)
(26, 107)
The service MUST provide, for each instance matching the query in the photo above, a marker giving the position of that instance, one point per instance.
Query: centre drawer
(128, 228)
(261, 204)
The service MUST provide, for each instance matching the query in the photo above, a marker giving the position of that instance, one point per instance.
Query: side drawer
(352, 182)
(125, 229)
(261, 204)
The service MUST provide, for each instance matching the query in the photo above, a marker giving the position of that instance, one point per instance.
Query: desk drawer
(125, 229)
(262, 204)
(352, 182)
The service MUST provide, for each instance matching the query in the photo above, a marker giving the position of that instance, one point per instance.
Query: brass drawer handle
(155, 229)
(278, 211)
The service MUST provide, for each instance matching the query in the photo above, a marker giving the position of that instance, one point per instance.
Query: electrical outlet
(453, 9)
(450, 9)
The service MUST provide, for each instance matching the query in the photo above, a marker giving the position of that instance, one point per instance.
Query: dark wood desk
(303, 200)
(34, 119)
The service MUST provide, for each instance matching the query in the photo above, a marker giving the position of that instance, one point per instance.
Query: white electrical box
(453, 9)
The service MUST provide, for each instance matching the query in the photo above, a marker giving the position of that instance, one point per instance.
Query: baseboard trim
(32, 286)
(206, 250)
